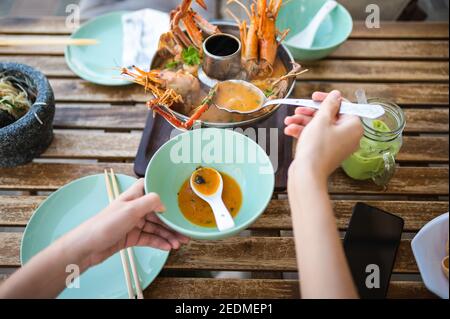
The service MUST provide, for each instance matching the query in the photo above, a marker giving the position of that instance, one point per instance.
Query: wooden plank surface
(387, 30)
(402, 30)
(415, 213)
(426, 94)
(130, 117)
(50, 176)
(427, 120)
(203, 288)
(400, 93)
(352, 49)
(34, 25)
(85, 144)
(236, 253)
(407, 180)
(327, 70)
(392, 49)
(376, 71)
(17, 210)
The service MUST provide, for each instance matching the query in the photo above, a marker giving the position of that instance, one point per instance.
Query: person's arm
(325, 140)
(128, 221)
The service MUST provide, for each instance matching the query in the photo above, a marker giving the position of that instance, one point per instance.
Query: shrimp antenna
(231, 14)
(242, 5)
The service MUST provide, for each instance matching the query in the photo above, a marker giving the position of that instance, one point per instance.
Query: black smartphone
(371, 244)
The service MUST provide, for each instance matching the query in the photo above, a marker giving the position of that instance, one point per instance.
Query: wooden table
(100, 127)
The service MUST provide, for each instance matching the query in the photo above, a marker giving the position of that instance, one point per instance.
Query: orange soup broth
(198, 212)
(237, 97)
(210, 181)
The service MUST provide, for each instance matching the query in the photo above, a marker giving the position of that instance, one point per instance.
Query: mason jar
(380, 144)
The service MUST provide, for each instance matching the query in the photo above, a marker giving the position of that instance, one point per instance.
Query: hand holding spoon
(207, 184)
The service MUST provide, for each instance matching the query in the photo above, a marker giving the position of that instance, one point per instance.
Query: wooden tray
(157, 132)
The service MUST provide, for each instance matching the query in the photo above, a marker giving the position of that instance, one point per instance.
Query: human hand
(326, 138)
(128, 221)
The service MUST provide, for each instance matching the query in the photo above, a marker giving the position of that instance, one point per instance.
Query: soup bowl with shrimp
(247, 175)
(214, 116)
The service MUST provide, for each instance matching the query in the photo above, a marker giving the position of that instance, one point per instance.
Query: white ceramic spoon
(370, 111)
(305, 38)
(224, 220)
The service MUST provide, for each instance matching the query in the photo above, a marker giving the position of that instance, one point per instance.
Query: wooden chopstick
(64, 41)
(130, 251)
(123, 255)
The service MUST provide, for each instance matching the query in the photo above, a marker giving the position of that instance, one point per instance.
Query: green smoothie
(368, 160)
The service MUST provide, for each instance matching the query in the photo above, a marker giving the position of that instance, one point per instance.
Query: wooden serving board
(157, 132)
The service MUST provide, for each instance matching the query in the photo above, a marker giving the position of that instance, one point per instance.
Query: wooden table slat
(17, 210)
(204, 288)
(237, 253)
(50, 176)
(402, 30)
(328, 70)
(75, 90)
(95, 145)
(98, 116)
(201, 288)
(387, 30)
(392, 49)
(352, 49)
(401, 93)
(130, 117)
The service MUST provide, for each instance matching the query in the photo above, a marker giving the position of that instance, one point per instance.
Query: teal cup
(335, 29)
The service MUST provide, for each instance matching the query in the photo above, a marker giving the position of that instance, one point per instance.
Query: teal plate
(69, 207)
(99, 63)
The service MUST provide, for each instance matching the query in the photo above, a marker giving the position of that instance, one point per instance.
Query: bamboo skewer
(64, 41)
(123, 255)
(130, 251)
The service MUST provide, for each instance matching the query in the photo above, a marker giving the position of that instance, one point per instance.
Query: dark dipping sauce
(222, 45)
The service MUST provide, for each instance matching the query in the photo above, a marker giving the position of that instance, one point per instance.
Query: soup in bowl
(246, 170)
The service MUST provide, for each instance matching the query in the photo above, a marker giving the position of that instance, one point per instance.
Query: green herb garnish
(191, 56)
(172, 65)
(268, 92)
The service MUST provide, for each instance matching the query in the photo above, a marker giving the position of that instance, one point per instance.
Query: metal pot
(240, 120)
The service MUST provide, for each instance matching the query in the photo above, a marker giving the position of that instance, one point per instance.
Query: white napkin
(141, 32)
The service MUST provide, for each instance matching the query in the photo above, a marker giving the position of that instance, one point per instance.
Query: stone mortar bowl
(29, 136)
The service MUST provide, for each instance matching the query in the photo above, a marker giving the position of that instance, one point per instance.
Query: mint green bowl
(223, 149)
(335, 29)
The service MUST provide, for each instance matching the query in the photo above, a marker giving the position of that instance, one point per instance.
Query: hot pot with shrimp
(195, 56)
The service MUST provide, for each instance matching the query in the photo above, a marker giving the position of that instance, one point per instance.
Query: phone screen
(371, 244)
